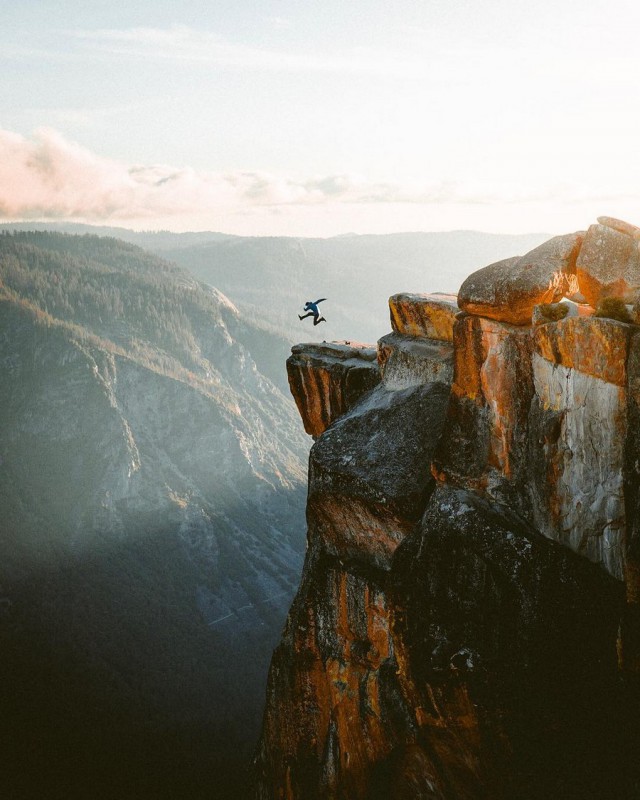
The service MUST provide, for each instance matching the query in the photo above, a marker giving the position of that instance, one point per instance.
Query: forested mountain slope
(151, 487)
(270, 278)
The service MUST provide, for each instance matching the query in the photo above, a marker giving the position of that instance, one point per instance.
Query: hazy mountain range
(270, 278)
(152, 484)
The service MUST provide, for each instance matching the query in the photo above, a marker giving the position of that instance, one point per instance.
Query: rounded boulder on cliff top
(508, 290)
(620, 225)
(609, 263)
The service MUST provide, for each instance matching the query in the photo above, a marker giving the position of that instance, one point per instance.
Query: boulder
(369, 479)
(608, 265)
(428, 315)
(508, 290)
(620, 225)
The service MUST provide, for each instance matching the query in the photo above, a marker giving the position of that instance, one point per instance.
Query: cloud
(47, 176)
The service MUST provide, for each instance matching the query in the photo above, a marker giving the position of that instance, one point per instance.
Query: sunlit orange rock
(327, 379)
(332, 690)
(484, 440)
(508, 290)
(596, 346)
(609, 265)
(428, 315)
(579, 422)
(537, 418)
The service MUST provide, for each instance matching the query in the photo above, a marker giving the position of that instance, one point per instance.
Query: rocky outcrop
(327, 379)
(333, 692)
(334, 706)
(578, 427)
(410, 361)
(364, 497)
(420, 348)
(468, 624)
(508, 290)
(538, 419)
(427, 315)
(609, 263)
(484, 443)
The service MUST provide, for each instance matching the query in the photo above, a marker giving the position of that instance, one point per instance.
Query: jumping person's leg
(304, 316)
(317, 320)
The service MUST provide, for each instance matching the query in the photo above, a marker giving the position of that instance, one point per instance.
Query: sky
(286, 117)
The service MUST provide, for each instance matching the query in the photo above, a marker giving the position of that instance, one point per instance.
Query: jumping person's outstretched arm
(321, 300)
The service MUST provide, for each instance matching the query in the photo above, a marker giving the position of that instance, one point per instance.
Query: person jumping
(312, 311)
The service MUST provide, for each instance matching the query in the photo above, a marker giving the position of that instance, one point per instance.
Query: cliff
(467, 620)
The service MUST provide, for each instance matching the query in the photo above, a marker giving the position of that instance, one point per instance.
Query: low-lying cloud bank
(49, 176)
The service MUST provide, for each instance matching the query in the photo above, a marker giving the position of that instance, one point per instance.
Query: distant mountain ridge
(152, 494)
(270, 277)
(159, 239)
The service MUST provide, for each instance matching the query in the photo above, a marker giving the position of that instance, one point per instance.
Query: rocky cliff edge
(467, 625)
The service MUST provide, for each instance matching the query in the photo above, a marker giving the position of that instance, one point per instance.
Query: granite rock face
(410, 361)
(506, 644)
(334, 707)
(508, 290)
(609, 264)
(327, 379)
(364, 497)
(427, 315)
(484, 443)
(485, 498)
(538, 419)
(580, 419)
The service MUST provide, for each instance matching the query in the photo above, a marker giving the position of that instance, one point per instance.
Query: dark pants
(316, 317)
